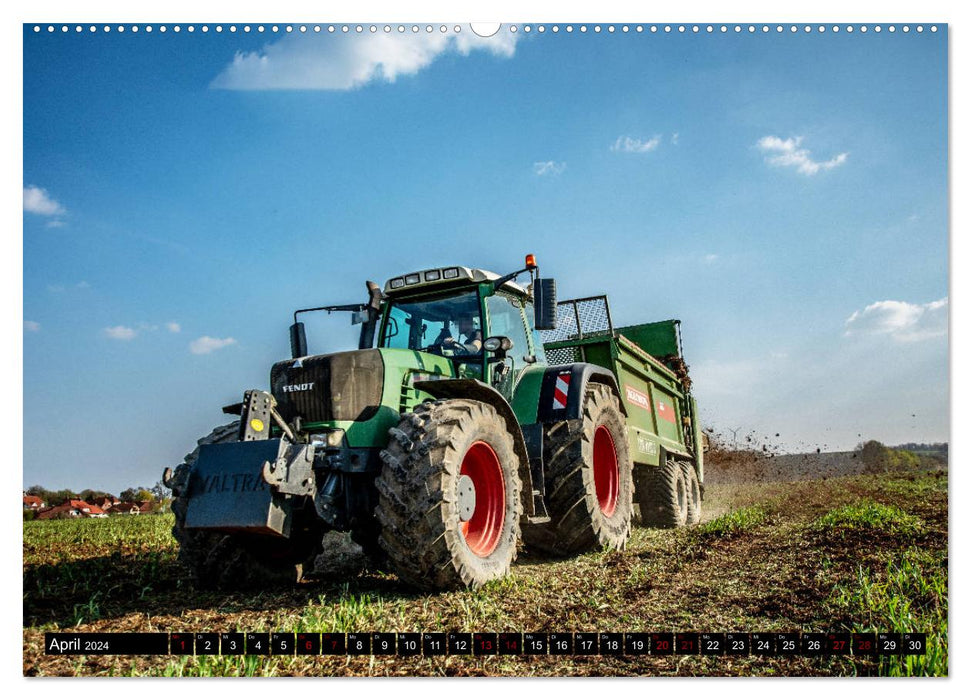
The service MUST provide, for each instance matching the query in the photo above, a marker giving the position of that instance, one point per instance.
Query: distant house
(107, 502)
(59, 512)
(34, 503)
(145, 507)
(87, 510)
(124, 508)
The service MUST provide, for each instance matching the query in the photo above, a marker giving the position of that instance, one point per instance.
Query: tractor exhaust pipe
(373, 311)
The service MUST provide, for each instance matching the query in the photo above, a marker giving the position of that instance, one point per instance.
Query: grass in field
(868, 516)
(73, 569)
(730, 524)
(860, 553)
(908, 595)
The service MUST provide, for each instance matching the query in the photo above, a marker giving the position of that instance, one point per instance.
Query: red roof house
(57, 512)
(33, 502)
(107, 502)
(124, 508)
(87, 510)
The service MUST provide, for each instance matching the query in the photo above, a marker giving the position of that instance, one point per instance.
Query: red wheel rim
(606, 473)
(483, 530)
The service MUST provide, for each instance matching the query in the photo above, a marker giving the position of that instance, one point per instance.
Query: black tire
(218, 561)
(418, 501)
(583, 518)
(692, 493)
(662, 495)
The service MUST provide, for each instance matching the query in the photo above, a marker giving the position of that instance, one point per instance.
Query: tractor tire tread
(576, 522)
(416, 511)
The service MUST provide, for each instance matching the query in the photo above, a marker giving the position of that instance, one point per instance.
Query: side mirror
(298, 340)
(544, 297)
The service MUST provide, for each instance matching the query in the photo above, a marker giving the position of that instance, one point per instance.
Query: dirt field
(787, 545)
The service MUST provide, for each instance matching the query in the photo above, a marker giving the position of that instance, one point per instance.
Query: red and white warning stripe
(561, 390)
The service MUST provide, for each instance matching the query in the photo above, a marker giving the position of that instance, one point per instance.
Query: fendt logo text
(290, 388)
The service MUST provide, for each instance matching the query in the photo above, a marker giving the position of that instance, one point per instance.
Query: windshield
(444, 325)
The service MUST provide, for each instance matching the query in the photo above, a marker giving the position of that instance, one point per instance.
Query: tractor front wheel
(449, 496)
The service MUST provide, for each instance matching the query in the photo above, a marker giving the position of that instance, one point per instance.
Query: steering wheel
(436, 349)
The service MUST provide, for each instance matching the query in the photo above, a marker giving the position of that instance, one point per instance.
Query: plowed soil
(774, 553)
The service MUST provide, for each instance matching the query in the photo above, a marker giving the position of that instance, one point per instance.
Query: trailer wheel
(589, 482)
(693, 494)
(449, 496)
(662, 493)
(218, 561)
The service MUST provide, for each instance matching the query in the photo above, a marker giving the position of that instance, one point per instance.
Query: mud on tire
(662, 495)
(218, 561)
(589, 482)
(426, 542)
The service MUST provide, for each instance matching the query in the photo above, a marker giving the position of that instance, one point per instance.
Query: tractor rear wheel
(693, 494)
(662, 493)
(589, 482)
(449, 496)
(219, 561)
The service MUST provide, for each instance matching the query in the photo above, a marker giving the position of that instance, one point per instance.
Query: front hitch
(256, 413)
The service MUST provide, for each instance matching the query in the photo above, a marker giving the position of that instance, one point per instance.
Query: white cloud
(38, 201)
(120, 332)
(55, 223)
(901, 320)
(710, 258)
(31, 326)
(173, 327)
(206, 344)
(674, 138)
(626, 144)
(548, 167)
(335, 62)
(787, 153)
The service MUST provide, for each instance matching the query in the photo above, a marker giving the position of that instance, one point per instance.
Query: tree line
(877, 457)
(136, 494)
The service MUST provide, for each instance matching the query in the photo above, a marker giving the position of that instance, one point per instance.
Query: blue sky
(784, 195)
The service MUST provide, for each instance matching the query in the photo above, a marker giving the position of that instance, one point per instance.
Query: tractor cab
(484, 323)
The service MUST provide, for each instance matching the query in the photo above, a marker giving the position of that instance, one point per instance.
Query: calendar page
(532, 348)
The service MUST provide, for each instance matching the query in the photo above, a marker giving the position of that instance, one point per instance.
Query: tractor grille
(564, 356)
(342, 386)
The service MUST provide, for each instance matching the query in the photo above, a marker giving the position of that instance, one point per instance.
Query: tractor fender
(479, 391)
(561, 394)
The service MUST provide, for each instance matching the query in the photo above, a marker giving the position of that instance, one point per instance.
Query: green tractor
(453, 433)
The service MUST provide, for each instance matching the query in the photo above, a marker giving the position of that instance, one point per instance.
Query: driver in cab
(469, 341)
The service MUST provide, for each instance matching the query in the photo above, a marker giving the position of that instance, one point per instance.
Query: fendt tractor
(485, 414)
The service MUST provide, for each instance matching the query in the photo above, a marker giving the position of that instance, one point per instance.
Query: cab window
(425, 324)
(538, 350)
(506, 318)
